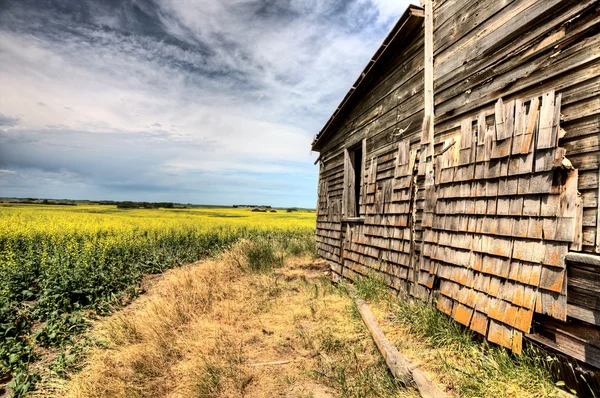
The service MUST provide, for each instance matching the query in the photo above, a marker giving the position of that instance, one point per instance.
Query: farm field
(59, 265)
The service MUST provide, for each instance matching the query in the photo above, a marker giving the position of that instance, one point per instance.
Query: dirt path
(210, 329)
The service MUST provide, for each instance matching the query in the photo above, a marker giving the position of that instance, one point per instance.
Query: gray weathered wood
(583, 258)
(598, 217)
(427, 137)
(400, 366)
(584, 314)
(347, 190)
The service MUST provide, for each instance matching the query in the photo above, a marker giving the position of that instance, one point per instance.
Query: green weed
(372, 289)
(262, 255)
(476, 369)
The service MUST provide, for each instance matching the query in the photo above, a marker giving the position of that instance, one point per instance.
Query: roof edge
(400, 26)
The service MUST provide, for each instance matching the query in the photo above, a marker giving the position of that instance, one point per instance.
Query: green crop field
(58, 263)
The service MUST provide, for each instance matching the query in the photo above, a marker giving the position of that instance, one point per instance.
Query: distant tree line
(33, 201)
(252, 206)
(144, 205)
(135, 205)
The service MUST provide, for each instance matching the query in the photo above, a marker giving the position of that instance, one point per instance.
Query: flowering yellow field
(28, 219)
(56, 261)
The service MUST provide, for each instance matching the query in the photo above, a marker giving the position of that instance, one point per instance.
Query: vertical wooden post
(426, 163)
(427, 133)
(429, 107)
(598, 218)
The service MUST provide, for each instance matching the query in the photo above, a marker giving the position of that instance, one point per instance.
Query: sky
(189, 101)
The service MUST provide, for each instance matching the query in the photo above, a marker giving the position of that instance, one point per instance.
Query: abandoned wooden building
(462, 167)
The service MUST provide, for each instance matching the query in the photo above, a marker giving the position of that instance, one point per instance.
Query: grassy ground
(62, 265)
(451, 354)
(256, 323)
(214, 329)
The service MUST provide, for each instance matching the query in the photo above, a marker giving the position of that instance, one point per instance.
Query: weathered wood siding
(393, 103)
(516, 50)
(520, 49)
(499, 221)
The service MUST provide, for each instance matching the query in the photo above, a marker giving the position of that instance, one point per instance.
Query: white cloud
(236, 86)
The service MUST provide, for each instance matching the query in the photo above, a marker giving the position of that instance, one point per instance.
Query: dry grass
(201, 327)
(450, 355)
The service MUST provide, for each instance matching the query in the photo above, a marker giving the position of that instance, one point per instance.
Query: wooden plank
(363, 187)
(570, 346)
(495, 32)
(577, 243)
(578, 144)
(507, 55)
(559, 83)
(466, 16)
(578, 128)
(584, 279)
(531, 123)
(545, 137)
(351, 199)
(347, 167)
(427, 137)
(529, 77)
(598, 219)
(400, 366)
(583, 258)
(583, 298)
(505, 336)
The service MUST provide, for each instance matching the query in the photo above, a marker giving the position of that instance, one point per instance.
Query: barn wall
(521, 49)
(392, 102)
(484, 50)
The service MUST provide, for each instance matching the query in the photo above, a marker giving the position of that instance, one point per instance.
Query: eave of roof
(402, 28)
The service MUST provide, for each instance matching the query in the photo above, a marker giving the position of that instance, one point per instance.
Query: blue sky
(192, 101)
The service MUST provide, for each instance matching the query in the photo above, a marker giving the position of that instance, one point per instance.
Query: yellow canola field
(58, 260)
(89, 219)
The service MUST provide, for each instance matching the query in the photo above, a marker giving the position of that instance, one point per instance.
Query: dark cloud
(9, 121)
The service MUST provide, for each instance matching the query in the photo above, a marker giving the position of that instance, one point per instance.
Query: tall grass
(473, 367)
(372, 289)
(265, 253)
(476, 367)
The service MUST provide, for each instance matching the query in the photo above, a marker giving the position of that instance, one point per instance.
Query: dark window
(357, 164)
(353, 180)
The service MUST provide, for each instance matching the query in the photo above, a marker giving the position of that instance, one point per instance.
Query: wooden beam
(400, 366)
(428, 84)
(598, 220)
(583, 258)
